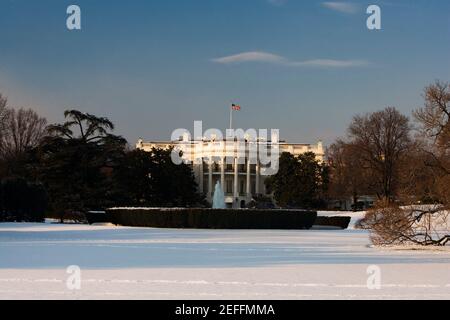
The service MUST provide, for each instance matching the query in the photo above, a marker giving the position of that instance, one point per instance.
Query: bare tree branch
(23, 130)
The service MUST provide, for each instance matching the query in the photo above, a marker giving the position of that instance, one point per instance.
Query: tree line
(80, 165)
(403, 161)
(66, 169)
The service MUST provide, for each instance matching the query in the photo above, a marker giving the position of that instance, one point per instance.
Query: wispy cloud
(265, 57)
(344, 7)
(331, 63)
(253, 56)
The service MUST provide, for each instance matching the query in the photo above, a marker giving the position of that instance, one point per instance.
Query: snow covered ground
(138, 263)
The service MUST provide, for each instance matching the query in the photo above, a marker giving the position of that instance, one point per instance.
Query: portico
(239, 179)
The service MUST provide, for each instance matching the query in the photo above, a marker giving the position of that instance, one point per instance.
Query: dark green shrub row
(209, 218)
(98, 217)
(22, 201)
(338, 222)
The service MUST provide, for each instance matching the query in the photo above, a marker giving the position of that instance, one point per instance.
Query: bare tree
(348, 175)
(434, 117)
(23, 130)
(3, 106)
(419, 225)
(426, 218)
(382, 140)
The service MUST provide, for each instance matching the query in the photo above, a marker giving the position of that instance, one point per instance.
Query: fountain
(219, 197)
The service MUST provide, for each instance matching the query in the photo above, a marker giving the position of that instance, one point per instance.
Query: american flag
(235, 107)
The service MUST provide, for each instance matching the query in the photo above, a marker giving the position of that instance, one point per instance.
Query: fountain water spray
(219, 197)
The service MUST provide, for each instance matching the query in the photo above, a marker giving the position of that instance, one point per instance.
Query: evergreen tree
(76, 159)
(301, 181)
(152, 179)
(131, 180)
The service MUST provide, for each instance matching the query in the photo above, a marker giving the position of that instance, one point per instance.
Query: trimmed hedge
(338, 222)
(191, 218)
(98, 217)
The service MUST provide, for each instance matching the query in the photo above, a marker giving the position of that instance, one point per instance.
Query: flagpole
(231, 118)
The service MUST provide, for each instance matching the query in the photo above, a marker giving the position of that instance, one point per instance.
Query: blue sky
(151, 66)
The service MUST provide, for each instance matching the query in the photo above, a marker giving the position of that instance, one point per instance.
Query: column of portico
(200, 182)
(258, 169)
(236, 180)
(210, 176)
(248, 185)
(222, 173)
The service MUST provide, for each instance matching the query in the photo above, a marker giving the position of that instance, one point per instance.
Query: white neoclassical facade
(240, 175)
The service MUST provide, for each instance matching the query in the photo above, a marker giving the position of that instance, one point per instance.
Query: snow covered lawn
(138, 263)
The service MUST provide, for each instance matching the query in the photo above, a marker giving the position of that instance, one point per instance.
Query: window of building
(229, 186)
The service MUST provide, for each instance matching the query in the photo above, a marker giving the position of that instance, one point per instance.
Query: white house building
(216, 161)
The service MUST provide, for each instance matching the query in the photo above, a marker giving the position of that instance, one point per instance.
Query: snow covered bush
(416, 225)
